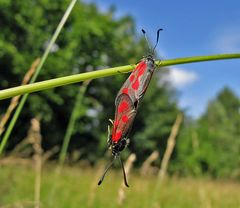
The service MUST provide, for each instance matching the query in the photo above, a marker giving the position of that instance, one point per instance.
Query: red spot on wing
(123, 106)
(116, 122)
(142, 69)
(117, 136)
(115, 125)
(142, 64)
(135, 85)
(125, 90)
(132, 76)
(125, 118)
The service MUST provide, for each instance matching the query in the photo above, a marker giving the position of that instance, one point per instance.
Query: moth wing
(128, 126)
(126, 88)
(126, 117)
(145, 80)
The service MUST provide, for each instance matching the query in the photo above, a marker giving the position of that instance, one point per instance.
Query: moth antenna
(145, 36)
(158, 32)
(108, 167)
(124, 173)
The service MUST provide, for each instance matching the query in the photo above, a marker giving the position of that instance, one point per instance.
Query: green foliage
(212, 143)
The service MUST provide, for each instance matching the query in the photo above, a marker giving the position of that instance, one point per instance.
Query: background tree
(212, 144)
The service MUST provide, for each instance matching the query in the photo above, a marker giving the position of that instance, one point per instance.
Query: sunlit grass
(73, 189)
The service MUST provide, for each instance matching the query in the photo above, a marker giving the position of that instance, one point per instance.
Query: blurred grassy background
(77, 187)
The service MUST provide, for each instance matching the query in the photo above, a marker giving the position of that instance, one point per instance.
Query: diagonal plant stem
(14, 100)
(43, 59)
(74, 116)
(170, 146)
(48, 84)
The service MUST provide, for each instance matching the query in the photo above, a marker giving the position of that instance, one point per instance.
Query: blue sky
(191, 28)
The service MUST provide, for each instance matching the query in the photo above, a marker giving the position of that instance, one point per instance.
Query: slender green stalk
(103, 73)
(193, 59)
(67, 137)
(38, 86)
(74, 116)
(43, 59)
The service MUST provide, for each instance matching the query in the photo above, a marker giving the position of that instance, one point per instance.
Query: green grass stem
(52, 83)
(70, 127)
(33, 79)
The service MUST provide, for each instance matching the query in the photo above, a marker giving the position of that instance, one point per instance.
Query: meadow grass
(74, 186)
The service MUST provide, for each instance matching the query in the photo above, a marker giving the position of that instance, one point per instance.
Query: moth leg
(122, 72)
(109, 132)
(133, 66)
(159, 64)
(111, 121)
(109, 142)
(127, 141)
(133, 112)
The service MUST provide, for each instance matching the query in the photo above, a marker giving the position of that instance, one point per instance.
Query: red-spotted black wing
(124, 117)
(145, 78)
(136, 84)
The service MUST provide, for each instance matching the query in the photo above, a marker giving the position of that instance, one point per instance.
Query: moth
(127, 103)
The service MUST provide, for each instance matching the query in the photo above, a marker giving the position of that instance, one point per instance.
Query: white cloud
(179, 77)
(228, 40)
